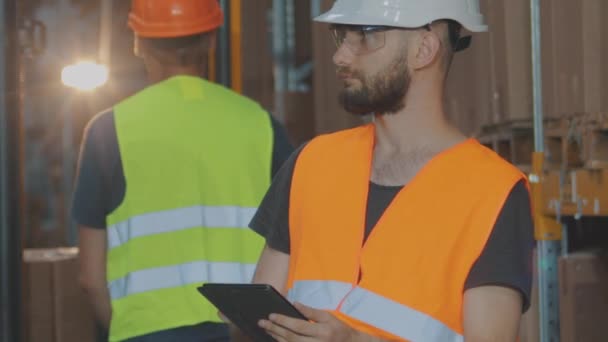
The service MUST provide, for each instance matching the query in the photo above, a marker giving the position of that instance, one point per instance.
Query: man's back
(181, 221)
(196, 160)
(182, 121)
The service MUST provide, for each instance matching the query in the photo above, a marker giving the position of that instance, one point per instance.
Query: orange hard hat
(174, 18)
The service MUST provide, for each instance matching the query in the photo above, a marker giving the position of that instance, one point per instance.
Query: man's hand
(272, 269)
(324, 327)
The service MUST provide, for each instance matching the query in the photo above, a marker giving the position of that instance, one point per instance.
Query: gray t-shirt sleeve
(95, 195)
(281, 147)
(272, 218)
(507, 257)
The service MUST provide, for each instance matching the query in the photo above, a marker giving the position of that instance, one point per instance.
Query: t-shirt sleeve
(272, 217)
(282, 147)
(91, 198)
(507, 257)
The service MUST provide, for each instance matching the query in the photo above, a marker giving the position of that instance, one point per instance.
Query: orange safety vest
(407, 281)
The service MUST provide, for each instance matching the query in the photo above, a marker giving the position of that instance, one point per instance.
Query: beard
(382, 93)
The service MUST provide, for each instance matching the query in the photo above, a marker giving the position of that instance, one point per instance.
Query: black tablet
(246, 304)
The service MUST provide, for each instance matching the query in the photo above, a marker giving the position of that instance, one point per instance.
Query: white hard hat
(405, 13)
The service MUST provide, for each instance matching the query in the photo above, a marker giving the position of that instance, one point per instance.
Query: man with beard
(402, 229)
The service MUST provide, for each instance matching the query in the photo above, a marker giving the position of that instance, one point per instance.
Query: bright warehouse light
(84, 75)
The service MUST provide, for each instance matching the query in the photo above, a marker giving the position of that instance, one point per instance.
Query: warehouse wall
(258, 79)
(573, 46)
(492, 81)
(257, 52)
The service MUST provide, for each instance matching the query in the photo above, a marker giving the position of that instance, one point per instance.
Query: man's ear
(428, 49)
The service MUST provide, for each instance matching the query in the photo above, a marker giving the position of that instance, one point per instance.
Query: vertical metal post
(236, 53)
(315, 8)
(548, 253)
(279, 47)
(105, 32)
(223, 47)
(537, 86)
(11, 186)
(548, 244)
(68, 166)
(290, 43)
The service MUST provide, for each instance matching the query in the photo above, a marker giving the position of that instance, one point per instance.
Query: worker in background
(404, 228)
(168, 181)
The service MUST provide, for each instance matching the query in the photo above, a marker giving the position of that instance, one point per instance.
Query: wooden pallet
(574, 141)
(575, 178)
(594, 131)
(581, 192)
(512, 140)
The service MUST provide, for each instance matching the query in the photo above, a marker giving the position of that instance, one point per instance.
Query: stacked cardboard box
(584, 297)
(56, 308)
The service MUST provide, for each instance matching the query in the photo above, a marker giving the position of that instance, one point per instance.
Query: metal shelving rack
(548, 232)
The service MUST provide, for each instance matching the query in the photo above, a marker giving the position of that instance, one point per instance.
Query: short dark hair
(184, 51)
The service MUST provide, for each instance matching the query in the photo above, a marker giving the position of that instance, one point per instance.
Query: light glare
(84, 75)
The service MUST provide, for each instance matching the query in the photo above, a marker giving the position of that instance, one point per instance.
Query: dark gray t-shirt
(505, 261)
(100, 184)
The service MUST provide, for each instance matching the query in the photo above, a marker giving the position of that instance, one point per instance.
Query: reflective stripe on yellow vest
(407, 280)
(196, 159)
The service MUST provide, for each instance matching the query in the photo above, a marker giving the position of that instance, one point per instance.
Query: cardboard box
(57, 308)
(584, 297)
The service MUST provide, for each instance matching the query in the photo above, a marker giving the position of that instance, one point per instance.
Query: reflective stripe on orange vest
(407, 280)
(368, 307)
(320, 294)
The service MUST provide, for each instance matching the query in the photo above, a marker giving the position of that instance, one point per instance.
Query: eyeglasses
(360, 39)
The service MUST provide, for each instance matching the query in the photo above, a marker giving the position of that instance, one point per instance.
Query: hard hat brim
(331, 17)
